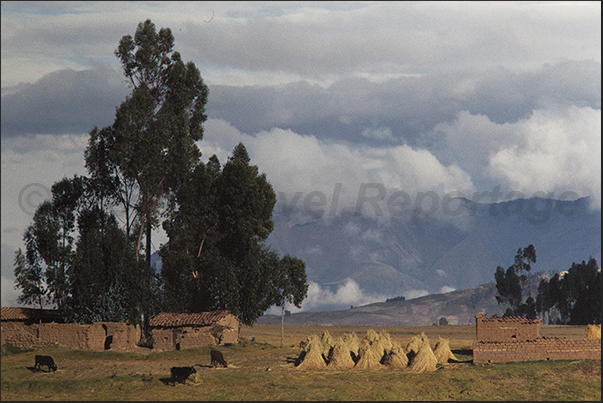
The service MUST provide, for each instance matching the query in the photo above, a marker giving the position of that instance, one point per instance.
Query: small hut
(176, 331)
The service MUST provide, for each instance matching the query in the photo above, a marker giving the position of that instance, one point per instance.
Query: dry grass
(593, 332)
(261, 370)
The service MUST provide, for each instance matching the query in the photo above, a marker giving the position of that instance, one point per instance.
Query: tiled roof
(507, 319)
(30, 314)
(168, 319)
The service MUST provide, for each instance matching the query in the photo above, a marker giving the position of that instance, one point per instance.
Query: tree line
(88, 249)
(572, 297)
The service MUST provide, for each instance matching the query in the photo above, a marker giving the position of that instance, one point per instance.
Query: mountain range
(421, 254)
(434, 256)
(456, 307)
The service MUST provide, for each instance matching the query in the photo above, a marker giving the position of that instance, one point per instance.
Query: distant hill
(458, 307)
(397, 256)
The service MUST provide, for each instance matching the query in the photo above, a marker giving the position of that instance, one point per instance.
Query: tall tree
(292, 286)
(216, 257)
(509, 288)
(156, 127)
(528, 257)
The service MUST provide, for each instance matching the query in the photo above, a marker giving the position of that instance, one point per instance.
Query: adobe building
(176, 331)
(507, 328)
(39, 328)
(516, 338)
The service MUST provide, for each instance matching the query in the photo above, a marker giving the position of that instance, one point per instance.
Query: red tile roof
(168, 319)
(30, 315)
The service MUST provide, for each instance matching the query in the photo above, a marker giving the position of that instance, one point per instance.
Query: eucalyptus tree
(216, 256)
(153, 137)
(41, 272)
(291, 286)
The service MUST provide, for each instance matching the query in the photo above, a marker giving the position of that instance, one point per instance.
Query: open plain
(259, 369)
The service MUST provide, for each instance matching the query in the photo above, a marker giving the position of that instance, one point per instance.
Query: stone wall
(99, 336)
(540, 349)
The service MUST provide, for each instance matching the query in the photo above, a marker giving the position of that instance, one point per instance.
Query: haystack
(593, 332)
(353, 343)
(341, 357)
(413, 346)
(371, 336)
(442, 351)
(386, 340)
(368, 358)
(425, 360)
(396, 357)
(312, 357)
(327, 343)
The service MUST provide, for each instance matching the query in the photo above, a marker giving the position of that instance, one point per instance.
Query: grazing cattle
(181, 374)
(45, 360)
(217, 359)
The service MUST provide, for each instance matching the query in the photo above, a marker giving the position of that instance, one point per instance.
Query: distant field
(261, 370)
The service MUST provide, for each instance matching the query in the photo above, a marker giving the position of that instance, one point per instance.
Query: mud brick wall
(193, 337)
(71, 335)
(536, 350)
(18, 334)
(163, 339)
(506, 328)
(123, 336)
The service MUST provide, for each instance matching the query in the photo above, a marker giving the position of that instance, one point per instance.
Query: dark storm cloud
(408, 106)
(63, 102)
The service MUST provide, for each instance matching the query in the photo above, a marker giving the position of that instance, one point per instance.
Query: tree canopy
(83, 249)
(573, 297)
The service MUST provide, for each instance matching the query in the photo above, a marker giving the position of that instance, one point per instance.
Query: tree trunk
(283, 322)
(149, 243)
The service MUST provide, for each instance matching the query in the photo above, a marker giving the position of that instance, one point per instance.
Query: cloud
(412, 294)
(555, 151)
(406, 109)
(446, 289)
(63, 102)
(321, 176)
(9, 294)
(346, 295)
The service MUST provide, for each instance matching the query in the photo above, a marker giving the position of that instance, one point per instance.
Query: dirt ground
(264, 337)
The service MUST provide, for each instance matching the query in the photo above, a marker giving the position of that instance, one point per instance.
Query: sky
(448, 97)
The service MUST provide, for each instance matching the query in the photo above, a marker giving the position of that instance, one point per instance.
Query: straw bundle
(312, 358)
(395, 357)
(371, 336)
(442, 351)
(327, 343)
(425, 360)
(413, 346)
(593, 332)
(353, 344)
(386, 340)
(341, 357)
(368, 357)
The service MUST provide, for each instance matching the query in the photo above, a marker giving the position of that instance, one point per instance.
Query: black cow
(45, 360)
(217, 359)
(181, 374)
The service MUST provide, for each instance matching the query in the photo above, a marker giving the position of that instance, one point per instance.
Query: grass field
(260, 370)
